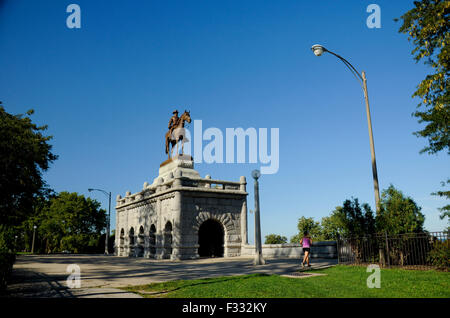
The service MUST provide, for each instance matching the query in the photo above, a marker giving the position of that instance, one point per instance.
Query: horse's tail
(167, 143)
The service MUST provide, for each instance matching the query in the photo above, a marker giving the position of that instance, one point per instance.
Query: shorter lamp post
(108, 220)
(259, 260)
(34, 235)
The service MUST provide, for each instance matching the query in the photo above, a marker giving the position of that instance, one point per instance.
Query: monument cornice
(160, 195)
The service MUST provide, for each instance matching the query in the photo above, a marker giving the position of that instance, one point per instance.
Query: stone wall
(326, 249)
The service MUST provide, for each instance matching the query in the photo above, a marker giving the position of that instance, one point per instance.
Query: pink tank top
(306, 242)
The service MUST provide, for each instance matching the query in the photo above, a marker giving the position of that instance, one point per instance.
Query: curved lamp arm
(106, 193)
(347, 63)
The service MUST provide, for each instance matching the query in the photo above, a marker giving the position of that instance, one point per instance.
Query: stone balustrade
(179, 181)
(325, 249)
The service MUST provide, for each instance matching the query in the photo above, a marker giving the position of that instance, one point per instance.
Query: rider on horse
(173, 121)
(176, 131)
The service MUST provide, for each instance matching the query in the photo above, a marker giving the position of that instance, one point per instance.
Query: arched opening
(152, 240)
(168, 240)
(140, 243)
(132, 242)
(211, 239)
(132, 236)
(121, 241)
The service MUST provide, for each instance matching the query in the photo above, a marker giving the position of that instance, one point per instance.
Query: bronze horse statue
(177, 133)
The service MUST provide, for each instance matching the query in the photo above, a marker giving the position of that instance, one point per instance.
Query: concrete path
(46, 275)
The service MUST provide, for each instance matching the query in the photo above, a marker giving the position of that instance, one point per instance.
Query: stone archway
(167, 237)
(152, 241)
(121, 242)
(140, 243)
(224, 219)
(211, 239)
(132, 242)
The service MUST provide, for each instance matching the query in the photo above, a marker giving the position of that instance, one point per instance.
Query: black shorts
(306, 249)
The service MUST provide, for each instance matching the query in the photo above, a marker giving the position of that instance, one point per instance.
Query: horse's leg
(182, 143)
(167, 146)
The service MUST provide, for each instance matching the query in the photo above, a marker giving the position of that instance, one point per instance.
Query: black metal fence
(412, 250)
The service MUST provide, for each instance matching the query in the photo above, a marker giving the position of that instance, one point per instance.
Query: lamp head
(318, 49)
(256, 174)
(90, 190)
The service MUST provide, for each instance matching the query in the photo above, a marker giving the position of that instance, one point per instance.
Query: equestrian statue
(176, 132)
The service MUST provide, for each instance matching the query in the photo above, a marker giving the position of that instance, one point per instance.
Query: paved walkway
(45, 275)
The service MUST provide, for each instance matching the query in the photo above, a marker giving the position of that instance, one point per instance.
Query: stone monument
(181, 215)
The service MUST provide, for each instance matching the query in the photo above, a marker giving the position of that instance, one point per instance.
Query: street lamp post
(34, 235)
(259, 260)
(108, 221)
(318, 51)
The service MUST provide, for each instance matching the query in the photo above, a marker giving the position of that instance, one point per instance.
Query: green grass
(340, 281)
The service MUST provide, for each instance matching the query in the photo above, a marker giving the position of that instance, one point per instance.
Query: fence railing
(412, 250)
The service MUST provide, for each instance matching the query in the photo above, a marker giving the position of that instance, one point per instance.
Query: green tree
(358, 220)
(427, 26)
(334, 226)
(275, 239)
(398, 213)
(25, 154)
(71, 222)
(307, 225)
(445, 210)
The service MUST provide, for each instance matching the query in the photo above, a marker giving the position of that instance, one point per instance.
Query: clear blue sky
(107, 91)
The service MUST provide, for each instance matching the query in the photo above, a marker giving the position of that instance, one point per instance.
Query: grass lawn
(340, 281)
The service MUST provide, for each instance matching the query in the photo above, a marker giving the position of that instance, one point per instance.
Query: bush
(7, 260)
(6, 238)
(439, 256)
(7, 254)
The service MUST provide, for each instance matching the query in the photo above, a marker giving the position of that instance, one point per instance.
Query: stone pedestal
(177, 204)
(179, 164)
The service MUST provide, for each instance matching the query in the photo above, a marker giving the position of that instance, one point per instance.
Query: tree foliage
(445, 210)
(310, 226)
(427, 26)
(70, 222)
(399, 214)
(25, 154)
(275, 239)
(334, 226)
(359, 219)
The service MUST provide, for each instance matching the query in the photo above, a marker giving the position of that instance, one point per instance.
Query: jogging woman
(306, 243)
